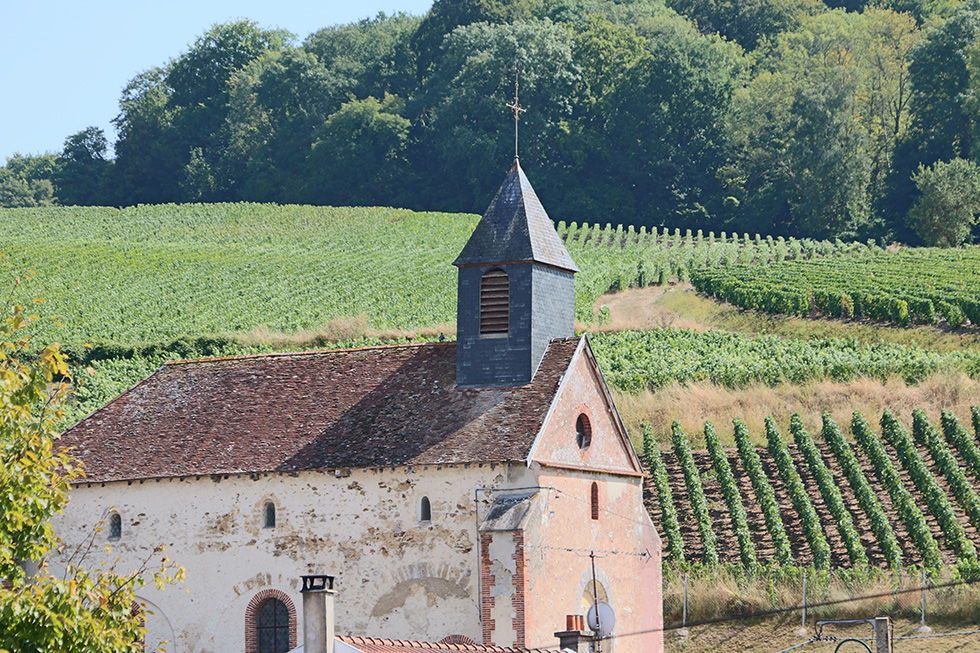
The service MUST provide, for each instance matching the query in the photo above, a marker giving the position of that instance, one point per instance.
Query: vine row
(964, 443)
(866, 496)
(764, 493)
(682, 448)
(927, 434)
(733, 499)
(830, 492)
(801, 500)
(932, 494)
(675, 544)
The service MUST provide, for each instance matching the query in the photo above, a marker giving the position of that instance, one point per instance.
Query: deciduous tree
(84, 610)
(948, 204)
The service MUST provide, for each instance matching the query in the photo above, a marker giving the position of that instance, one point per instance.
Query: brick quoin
(251, 632)
(487, 600)
(520, 589)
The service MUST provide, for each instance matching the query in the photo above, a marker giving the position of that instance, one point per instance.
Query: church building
(477, 491)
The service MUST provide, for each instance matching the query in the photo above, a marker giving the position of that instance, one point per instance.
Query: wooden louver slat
(494, 302)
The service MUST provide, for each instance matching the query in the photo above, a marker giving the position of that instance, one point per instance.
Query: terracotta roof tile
(378, 645)
(368, 407)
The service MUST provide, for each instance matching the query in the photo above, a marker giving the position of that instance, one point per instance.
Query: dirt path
(637, 308)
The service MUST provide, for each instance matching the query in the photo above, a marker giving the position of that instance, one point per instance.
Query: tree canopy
(784, 117)
(82, 610)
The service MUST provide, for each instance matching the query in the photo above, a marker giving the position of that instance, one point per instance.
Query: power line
(587, 552)
(605, 510)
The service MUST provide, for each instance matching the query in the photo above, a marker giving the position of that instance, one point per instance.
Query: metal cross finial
(516, 106)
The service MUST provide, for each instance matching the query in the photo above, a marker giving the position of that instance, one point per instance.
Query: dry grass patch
(640, 309)
(721, 592)
(342, 329)
(692, 405)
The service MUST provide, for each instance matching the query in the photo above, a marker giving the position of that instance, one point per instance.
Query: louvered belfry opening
(494, 302)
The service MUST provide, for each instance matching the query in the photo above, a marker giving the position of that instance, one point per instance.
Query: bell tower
(516, 290)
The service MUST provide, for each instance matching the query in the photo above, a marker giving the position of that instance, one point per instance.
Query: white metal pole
(684, 624)
(803, 625)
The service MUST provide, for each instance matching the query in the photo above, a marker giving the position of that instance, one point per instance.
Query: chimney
(318, 618)
(573, 638)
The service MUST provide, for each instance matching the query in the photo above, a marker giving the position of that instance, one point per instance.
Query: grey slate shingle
(516, 228)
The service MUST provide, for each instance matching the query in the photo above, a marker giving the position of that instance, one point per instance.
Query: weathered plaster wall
(628, 560)
(625, 541)
(396, 577)
(581, 393)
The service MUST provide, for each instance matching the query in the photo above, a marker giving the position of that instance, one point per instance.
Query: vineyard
(639, 360)
(890, 498)
(151, 273)
(921, 286)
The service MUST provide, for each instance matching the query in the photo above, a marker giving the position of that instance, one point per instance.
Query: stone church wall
(395, 576)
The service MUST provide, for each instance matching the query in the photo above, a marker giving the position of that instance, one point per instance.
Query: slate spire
(516, 289)
(516, 228)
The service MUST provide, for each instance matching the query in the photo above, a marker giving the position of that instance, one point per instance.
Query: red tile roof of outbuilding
(378, 645)
(369, 407)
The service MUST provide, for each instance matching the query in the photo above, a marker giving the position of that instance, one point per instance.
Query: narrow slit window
(595, 500)
(115, 526)
(583, 431)
(269, 515)
(494, 302)
(425, 510)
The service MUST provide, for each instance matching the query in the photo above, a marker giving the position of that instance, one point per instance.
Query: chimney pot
(318, 613)
(573, 638)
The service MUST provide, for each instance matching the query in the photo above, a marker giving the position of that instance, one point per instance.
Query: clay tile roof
(378, 645)
(370, 407)
(516, 228)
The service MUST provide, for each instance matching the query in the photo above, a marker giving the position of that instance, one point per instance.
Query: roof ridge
(309, 352)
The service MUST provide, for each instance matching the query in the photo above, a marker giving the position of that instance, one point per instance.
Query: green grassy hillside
(155, 273)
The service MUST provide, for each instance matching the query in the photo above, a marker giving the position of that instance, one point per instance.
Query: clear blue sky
(65, 63)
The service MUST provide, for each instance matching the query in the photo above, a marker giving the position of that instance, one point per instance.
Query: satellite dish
(601, 619)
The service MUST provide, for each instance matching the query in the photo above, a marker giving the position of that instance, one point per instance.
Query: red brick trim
(520, 590)
(251, 633)
(487, 599)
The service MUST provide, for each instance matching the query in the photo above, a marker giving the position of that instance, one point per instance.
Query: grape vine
(801, 500)
(733, 499)
(764, 493)
(866, 496)
(902, 499)
(675, 544)
(830, 492)
(695, 491)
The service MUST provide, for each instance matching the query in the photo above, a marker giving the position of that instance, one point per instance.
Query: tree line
(845, 119)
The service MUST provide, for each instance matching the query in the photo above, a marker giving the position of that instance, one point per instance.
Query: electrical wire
(965, 632)
(587, 552)
(791, 648)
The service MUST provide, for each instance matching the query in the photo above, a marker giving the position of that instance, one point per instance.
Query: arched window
(494, 302)
(272, 627)
(595, 500)
(115, 526)
(269, 515)
(425, 510)
(583, 431)
(270, 622)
